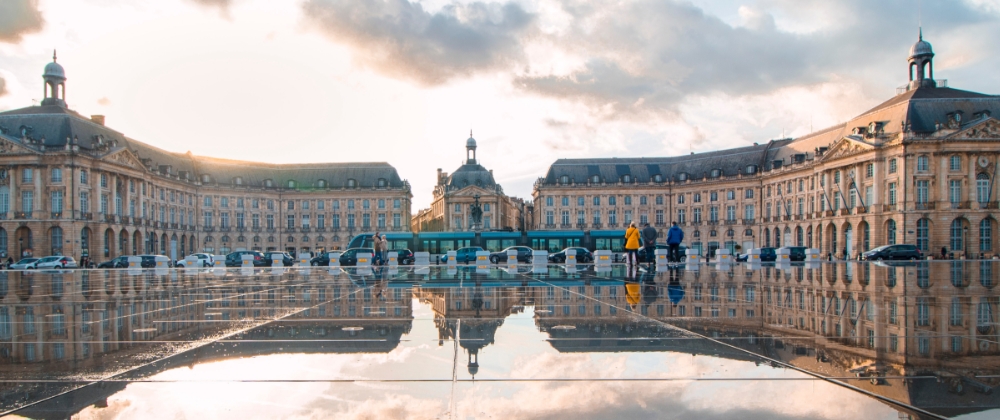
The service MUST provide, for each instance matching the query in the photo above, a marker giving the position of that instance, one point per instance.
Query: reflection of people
(633, 293)
(674, 238)
(631, 244)
(675, 291)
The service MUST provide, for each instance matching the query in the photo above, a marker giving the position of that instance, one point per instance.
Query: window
(612, 217)
(659, 217)
(597, 201)
(836, 177)
(731, 195)
(892, 166)
(627, 179)
(548, 201)
(565, 201)
(869, 170)
(305, 204)
(957, 240)
(458, 208)
(982, 188)
(83, 177)
(224, 202)
(697, 197)
(748, 212)
(27, 201)
(581, 217)
(680, 198)
(290, 221)
(892, 193)
(954, 191)
(748, 193)
(681, 216)
(890, 232)
(28, 175)
(269, 220)
(986, 235)
(366, 204)
(713, 213)
(306, 223)
(955, 163)
(713, 196)
(923, 164)
(595, 179)
(597, 217)
(612, 201)
(291, 184)
(923, 229)
(696, 214)
(56, 174)
(565, 217)
(922, 190)
(731, 213)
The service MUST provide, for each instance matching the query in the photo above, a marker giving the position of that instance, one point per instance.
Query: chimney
(439, 176)
(97, 119)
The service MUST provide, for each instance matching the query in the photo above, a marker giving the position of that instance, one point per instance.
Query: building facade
(457, 194)
(69, 185)
(919, 168)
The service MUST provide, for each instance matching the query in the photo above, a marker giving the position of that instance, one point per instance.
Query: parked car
(235, 259)
(117, 262)
(203, 260)
(350, 256)
(286, 259)
(463, 255)
(523, 255)
(894, 252)
(25, 264)
(797, 253)
(149, 261)
(767, 254)
(405, 256)
(56, 262)
(583, 255)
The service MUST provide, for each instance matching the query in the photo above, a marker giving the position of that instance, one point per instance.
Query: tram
(437, 243)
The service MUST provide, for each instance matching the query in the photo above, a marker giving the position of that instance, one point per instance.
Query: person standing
(649, 243)
(377, 247)
(631, 244)
(674, 238)
(384, 245)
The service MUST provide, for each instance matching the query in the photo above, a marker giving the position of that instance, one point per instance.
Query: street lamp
(965, 241)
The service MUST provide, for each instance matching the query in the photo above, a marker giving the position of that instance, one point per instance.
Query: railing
(255, 229)
(550, 226)
(208, 228)
(581, 225)
(713, 222)
(888, 207)
(271, 230)
(566, 226)
(696, 223)
(730, 222)
(828, 213)
(321, 229)
(3, 216)
(57, 215)
(661, 224)
(612, 225)
(748, 221)
(786, 218)
(963, 205)
(924, 206)
(87, 216)
(225, 229)
(991, 205)
(289, 230)
(23, 215)
(595, 226)
(173, 225)
(862, 210)
(305, 229)
(845, 212)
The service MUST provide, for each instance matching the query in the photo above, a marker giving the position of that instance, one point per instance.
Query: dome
(471, 174)
(471, 142)
(921, 48)
(54, 70)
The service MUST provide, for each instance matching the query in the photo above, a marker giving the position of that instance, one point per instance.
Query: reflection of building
(456, 195)
(918, 168)
(71, 185)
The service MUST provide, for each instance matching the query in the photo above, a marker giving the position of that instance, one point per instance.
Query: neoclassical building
(919, 168)
(456, 194)
(69, 185)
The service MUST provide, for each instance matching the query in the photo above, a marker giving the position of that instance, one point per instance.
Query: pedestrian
(944, 253)
(377, 247)
(631, 244)
(384, 245)
(674, 238)
(10, 262)
(649, 243)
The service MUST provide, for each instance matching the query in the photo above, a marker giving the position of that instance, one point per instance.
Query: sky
(404, 82)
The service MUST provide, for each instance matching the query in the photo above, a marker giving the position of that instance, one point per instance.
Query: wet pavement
(826, 340)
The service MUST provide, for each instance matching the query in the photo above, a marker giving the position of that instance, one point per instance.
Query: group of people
(645, 238)
(381, 247)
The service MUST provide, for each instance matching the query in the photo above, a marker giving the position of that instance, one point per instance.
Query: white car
(56, 262)
(204, 260)
(25, 264)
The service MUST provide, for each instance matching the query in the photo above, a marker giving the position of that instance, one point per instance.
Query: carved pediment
(986, 130)
(8, 147)
(125, 157)
(847, 147)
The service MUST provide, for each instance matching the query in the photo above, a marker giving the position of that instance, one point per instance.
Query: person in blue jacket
(674, 238)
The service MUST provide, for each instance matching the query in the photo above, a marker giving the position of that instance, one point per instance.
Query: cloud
(18, 18)
(221, 4)
(400, 38)
(3, 86)
(104, 101)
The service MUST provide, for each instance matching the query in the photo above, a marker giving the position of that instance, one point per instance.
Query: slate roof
(55, 124)
(921, 109)
(471, 174)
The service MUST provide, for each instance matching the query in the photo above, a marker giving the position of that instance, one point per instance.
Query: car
(767, 254)
(523, 255)
(117, 262)
(404, 256)
(203, 260)
(642, 251)
(796, 253)
(286, 258)
(149, 261)
(350, 256)
(56, 262)
(583, 255)
(894, 252)
(25, 264)
(463, 255)
(235, 259)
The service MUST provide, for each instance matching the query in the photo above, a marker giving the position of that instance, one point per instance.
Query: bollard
(191, 261)
(723, 256)
(691, 257)
(220, 263)
(247, 260)
(482, 260)
(784, 256)
(812, 255)
(422, 258)
(392, 259)
(277, 260)
(753, 256)
(364, 260)
(602, 258)
(452, 257)
(304, 259)
(661, 256)
(134, 262)
(511, 257)
(334, 259)
(539, 257)
(570, 256)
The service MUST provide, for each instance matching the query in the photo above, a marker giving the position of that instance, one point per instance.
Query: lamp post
(965, 241)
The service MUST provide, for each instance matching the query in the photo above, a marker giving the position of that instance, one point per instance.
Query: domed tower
(470, 150)
(55, 84)
(921, 64)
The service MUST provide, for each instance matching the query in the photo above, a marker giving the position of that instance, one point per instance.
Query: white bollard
(334, 259)
(723, 257)
(277, 260)
(364, 260)
(783, 256)
(570, 256)
(422, 258)
(482, 260)
(304, 259)
(539, 257)
(753, 256)
(134, 262)
(392, 259)
(452, 258)
(220, 263)
(661, 256)
(247, 260)
(511, 257)
(812, 255)
(191, 261)
(691, 257)
(602, 258)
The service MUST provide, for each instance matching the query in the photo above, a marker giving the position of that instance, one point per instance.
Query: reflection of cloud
(19, 17)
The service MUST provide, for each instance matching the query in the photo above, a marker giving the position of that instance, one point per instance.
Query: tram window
(493, 245)
(507, 243)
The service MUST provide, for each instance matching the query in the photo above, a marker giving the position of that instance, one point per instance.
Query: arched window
(751, 169)
(682, 176)
(923, 163)
(238, 180)
(866, 237)
(657, 178)
(268, 183)
(321, 183)
(809, 236)
(986, 234)
(982, 188)
(4, 199)
(291, 183)
(957, 240)
(381, 183)
(596, 179)
(205, 178)
(564, 180)
(923, 232)
(777, 238)
(890, 232)
(955, 163)
(798, 236)
(57, 240)
(626, 178)
(351, 183)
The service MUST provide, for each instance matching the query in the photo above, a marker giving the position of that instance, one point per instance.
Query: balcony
(550, 226)
(612, 225)
(208, 228)
(924, 206)
(992, 205)
(566, 226)
(289, 230)
(255, 229)
(786, 218)
(828, 213)
(696, 223)
(730, 222)
(583, 225)
(3, 216)
(86, 216)
(888, 207)
(271, 230)
(661, 224)
(961, 205)
(845, 212)
(306, 229)
(748, 221)
(56, 215)
(861, 210)
(595, 226)
(713, 222)
(321, 229)
(22, 215)
(225, 229)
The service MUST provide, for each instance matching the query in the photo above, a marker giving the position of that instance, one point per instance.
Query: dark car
(350, 256)
(894, 252)
(117, 262)
(464, 255)
(583, 255)
(682, 251)
(797, 253)
(523, 255)
(767, 254)
(285, 257)
(235, 259)
(404, 256)
(149, 261)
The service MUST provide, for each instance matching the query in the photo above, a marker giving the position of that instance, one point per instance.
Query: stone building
(456, 195)
(69, 185)
(918, 168)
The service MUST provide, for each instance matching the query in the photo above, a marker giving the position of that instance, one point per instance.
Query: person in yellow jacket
(632, 244)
